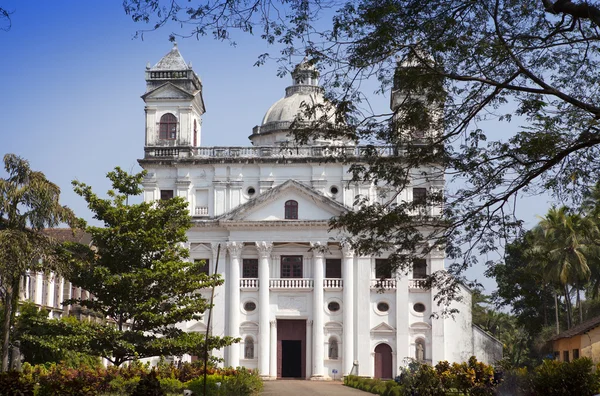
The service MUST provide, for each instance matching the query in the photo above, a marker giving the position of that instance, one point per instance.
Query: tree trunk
(544, 304)
(579, 307)
(6, 326)
(568, 304)
(556, 311)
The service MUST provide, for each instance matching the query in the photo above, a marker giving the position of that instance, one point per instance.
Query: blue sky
(72, 77)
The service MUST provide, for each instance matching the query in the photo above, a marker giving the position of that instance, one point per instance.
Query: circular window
(383, 307)
(334, 190)
(418, 307)
(333, 306)
(251, 191)
(249, 306)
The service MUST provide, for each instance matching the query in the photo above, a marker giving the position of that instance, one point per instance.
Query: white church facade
(302, 302)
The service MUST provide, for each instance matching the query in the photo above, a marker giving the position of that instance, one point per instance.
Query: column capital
(309, 322)
(264, 248)
(235, 249)
(318, 249)
(347, 250)
(274, 323)
(214, 246)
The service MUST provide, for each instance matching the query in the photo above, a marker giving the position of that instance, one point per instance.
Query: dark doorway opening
(291, 359)
(291, 348)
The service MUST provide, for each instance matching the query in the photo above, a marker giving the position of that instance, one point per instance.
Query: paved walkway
(308, 388)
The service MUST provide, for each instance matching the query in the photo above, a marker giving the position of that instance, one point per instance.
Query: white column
(309, 334)
(273, 365)
(235, 254)
(348, 309)
(318, 250)
(264, 254)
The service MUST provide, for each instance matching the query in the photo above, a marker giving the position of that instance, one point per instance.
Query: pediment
(249, 327)
(197, 327)
(168, 91)
(270, 205)
(200, 247)
(420, 326)
(383, 328)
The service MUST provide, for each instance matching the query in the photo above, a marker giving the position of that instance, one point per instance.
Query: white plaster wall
(486, 348)
(458, 330)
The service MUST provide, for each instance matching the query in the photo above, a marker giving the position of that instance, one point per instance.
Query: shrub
(13, 383)
(197, 385)
(60, 380)
(171, 385)
(148, 386)
(554, 378)
(244, 383)
(123, 386)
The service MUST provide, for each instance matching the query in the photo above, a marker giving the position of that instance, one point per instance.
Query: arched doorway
(383, 361)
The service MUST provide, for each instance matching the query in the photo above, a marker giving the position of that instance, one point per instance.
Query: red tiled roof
(68, 235)
(579, 329)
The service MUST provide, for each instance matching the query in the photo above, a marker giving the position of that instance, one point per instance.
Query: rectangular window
(565, 356)
(333, 268)
(291, 266)
(575, 354)
(250, 268)
(419, 268)
(204, 269)
(166, 194)
(419, 196)
(382, 269)
(556, 355)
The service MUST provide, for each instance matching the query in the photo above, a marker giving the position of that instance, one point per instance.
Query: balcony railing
(388, 283)
(201, 211)
(266, 151)
(333, 283)
(291, 283)
(420, 284)
(249, 283)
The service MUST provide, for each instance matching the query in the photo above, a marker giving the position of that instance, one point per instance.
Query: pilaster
(273, 358)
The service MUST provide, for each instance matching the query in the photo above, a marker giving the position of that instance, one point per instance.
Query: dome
(305, 94)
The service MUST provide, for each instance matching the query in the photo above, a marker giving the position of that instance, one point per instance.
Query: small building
(580, 341)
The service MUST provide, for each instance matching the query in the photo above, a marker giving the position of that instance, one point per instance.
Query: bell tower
(174, 107)
(417, 99)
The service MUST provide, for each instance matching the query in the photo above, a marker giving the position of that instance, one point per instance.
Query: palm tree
(562, 243)
(28, 204)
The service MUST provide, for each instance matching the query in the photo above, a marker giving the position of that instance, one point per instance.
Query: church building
(302, 302)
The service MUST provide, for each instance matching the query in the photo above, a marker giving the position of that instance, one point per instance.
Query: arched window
(333, 349)
(168, 126)
(291, 210)
(420, 350)
(248, 348)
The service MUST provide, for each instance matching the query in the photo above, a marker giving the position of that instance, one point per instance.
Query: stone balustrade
(201, 211)
(418, 284)
(388, 283)
(267, 151)
(291, 283)
(249, 283)
(333, 283)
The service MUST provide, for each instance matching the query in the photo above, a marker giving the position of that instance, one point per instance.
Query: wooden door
(383, 361)
(291, 330)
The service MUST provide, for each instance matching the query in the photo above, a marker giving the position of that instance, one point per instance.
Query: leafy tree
(139, 276)
(563, 238)
(39, 341)
(522, 287)
(463, 64)
(28, 203)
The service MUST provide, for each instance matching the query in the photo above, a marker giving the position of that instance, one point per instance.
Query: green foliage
(554, 378)
(139, 275)
(13, 383)
(149, 385)
(123, 385)
(171, 385)
(243, 383)
(43, 340)
(28, 203)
